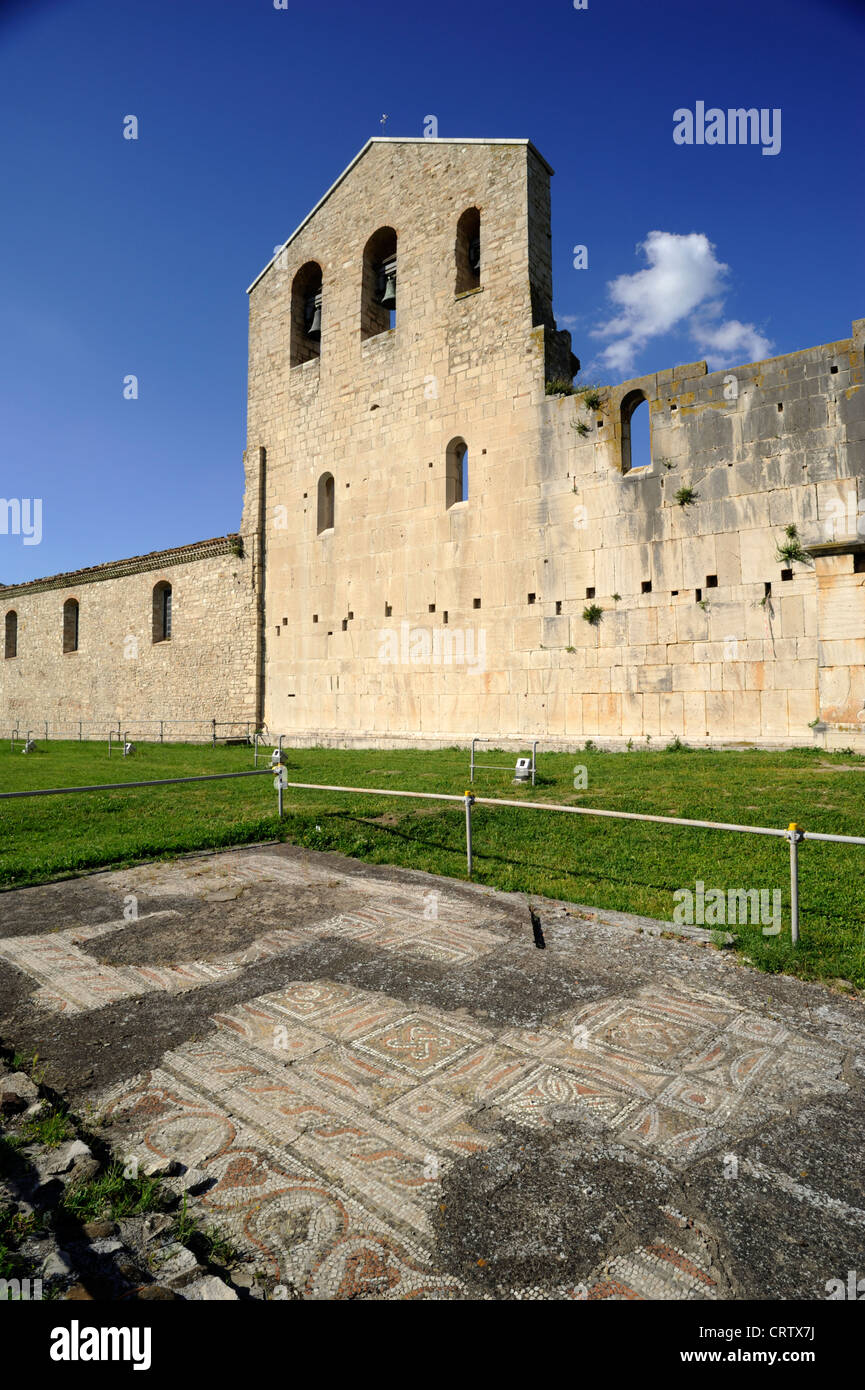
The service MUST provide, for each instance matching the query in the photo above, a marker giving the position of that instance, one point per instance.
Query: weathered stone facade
(120, 670)
(566, 596)
(409, 616)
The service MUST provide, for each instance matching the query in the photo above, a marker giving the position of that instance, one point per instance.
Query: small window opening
(531, 598)
(859, 562)
(467, 251)
(476, 603)
(698, 595)
(70, 625)
(767, 588)
(388, 610)
(325, 502)
(833, 370)
(162, 612)
(456, 472)
(646, 586)
(787, 574)
(305, 335)
(636, 432)
(558, 606)
(10, 648)
(590, 593)
(378, 296)
(711, 581)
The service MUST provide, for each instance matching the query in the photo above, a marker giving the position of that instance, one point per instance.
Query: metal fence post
(534, 759)
(472, 765)
(470, 801)
(794, 834)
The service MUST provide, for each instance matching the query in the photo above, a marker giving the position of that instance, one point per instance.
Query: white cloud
(683, 276)
(726, 344)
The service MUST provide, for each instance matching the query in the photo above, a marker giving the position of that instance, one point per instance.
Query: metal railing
(258, 738)
(149, 730)
(501, 767)
(152, 782)
(794, 834)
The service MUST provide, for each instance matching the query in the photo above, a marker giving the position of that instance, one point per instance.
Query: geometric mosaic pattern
(432, 926)
(672, 1071)
(325, 1116)
(322, 1117)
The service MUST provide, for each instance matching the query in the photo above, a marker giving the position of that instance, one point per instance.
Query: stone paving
(342, 1124)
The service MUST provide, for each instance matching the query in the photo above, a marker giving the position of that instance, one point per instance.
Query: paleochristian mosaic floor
(415, 1040)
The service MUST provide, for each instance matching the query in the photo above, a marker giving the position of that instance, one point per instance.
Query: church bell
(387, 279)
(313, 316)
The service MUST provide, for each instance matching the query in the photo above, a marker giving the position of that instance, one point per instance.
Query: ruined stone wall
(205, 671)
(409, 617)
(712, 636)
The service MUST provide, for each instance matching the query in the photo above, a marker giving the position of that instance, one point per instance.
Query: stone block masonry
(703, 631)
(434, 547)
(122, 667)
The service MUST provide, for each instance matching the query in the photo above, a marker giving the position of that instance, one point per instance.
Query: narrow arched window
(162, 612)
(70, 625)
(325, 502)
(636, 432)
(378, 292)
(456, 472)
(467, 251)
(11, 643)
(306, 293)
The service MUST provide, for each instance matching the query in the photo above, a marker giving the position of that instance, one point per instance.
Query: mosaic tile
(325, 1155)
(420, 1043)
(382, 1165)
(358, 1079)
(426, 1110)
(256, 1025)
(536, 1098)
(479, 1076)
(356, 1019)
(309, 999)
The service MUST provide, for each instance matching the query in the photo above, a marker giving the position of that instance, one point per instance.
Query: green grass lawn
(610, 864)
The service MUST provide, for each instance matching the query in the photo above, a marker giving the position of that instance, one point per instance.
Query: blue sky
(132, 257)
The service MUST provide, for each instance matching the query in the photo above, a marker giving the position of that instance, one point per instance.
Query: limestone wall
(412, 618)
(409, 617)
(205, 671)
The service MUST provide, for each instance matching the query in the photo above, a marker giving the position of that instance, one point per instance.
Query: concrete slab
(384, 1089)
